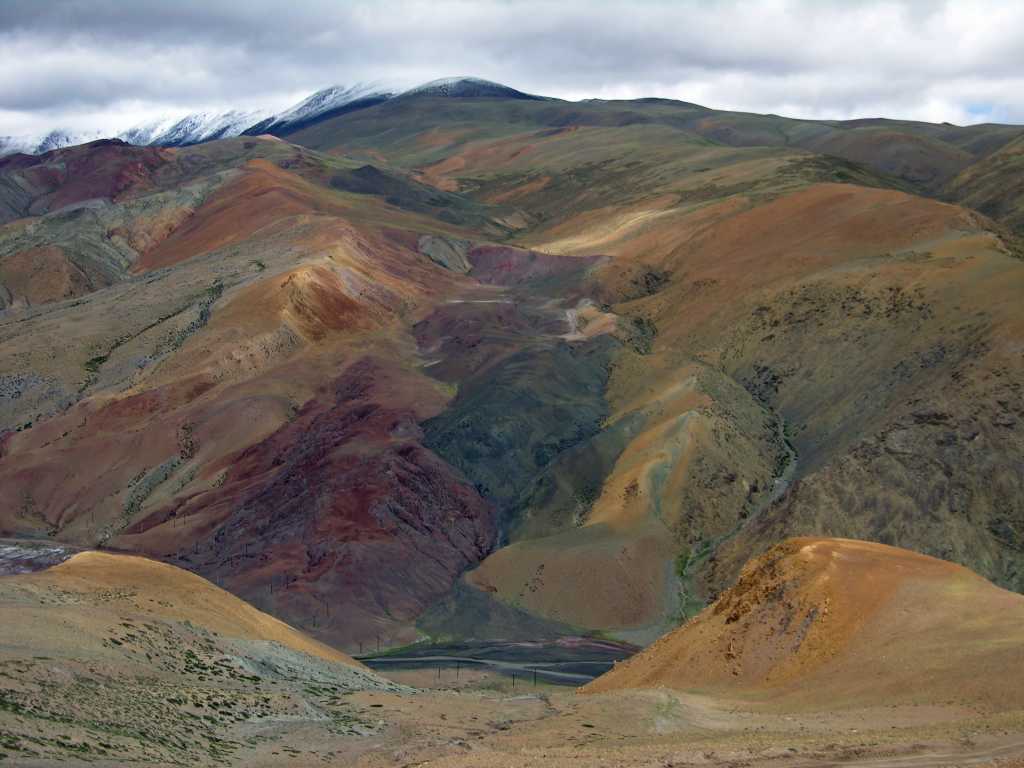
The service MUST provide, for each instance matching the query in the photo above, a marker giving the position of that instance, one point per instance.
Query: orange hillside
(845, 623)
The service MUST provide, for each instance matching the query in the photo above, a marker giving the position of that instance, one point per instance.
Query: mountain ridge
(203, 126)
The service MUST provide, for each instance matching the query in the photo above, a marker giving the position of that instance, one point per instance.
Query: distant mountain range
(209, 125)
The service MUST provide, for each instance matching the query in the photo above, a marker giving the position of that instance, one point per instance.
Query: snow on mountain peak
(194, 128)
(55, 139)
(327, 99)
(177, 131)
(467, 87)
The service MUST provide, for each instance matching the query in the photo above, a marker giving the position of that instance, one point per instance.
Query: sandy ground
(481, 728)
(479, 725)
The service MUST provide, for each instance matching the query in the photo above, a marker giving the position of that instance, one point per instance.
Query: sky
(106, 65)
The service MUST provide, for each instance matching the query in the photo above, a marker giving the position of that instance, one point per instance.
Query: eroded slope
(843, 623)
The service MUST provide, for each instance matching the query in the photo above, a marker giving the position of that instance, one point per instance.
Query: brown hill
(146, 587)
(123, 659)
(994, 186)
(845, 623)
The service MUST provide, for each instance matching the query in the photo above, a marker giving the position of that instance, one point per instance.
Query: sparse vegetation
(92, 365)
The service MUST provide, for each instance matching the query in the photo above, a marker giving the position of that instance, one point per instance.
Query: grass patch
(92, 365)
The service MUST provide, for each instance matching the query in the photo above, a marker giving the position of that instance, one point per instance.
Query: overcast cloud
(108, 64)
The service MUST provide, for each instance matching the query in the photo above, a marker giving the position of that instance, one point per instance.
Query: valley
(568, 661)
(162, 668)
(465, 384)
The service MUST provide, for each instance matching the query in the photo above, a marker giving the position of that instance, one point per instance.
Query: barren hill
(119, 657)
(162, 591)
(838, 622)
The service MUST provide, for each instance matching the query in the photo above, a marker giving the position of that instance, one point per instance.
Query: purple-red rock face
(340, 521)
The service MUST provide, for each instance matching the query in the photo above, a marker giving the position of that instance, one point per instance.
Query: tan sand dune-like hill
(94, 589)
(847, 623)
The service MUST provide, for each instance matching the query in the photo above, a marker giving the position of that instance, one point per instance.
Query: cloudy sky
(108, 64)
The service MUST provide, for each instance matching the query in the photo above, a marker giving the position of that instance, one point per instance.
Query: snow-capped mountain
(11, 144)
(468, 87)
(37, 145)
(60, 138)
(321, 103)
(193, 129)
(176, 131)
(146, 133)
